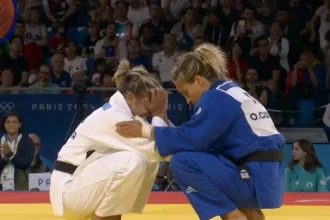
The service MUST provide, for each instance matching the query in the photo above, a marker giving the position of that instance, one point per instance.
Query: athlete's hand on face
(156, 104)
(129, 129)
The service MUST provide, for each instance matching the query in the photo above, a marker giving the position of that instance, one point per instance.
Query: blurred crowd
(277, 50)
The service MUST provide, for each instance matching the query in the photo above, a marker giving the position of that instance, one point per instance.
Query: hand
(5, 150)
(156, 105)
(299, 65)
(129, 129)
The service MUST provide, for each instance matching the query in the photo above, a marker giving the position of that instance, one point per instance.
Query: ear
(130, 98)
(199, 80)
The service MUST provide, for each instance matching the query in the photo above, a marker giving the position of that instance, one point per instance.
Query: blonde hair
(206, 60)
(136, 80)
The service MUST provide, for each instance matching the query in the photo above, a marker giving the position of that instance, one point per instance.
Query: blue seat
(49, 163)
(78, 35)
(305, 115)
(90, 65)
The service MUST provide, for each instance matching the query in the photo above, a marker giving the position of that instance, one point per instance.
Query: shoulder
(320, 171)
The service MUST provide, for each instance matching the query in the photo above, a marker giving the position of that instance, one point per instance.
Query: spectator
(253, 27)
(306, 80)
(134, 56)
(124, 27)
(279, 46)
(102, 14)
(159, 27)
(35, 31)
(16, 154)
(58, 41)
(173, 9)
(198, 41)
(228, 14)
(187, 30)
(31, 51)
(106, 80)
(147, 46)
(43, 81)
(6, 80)
(215, 32)
(237, 65)
(108, 46)
(58, 10)
(321, 13)
(201, 13)
(137, 14)
(77, 75)
(37, 165)
(326, 54)
(264, 9)
(264, 94)
(59, 76)
(267, 65)
(305, 172)
(241, 34)
(92, 39)
(163, 62)
(15, 61)
(71, 60)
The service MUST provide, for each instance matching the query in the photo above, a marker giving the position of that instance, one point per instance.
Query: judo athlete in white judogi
(117, 177)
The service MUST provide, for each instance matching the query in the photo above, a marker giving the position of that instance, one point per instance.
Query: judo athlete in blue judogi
(228, 158)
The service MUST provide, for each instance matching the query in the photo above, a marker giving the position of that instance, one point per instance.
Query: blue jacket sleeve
(215, 113)
(24, 155)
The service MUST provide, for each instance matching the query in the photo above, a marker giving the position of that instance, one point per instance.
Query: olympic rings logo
(6, 106)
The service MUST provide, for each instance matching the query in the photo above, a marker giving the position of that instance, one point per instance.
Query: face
(297, 152)
(154, 11)
(248, 14)
(103, 2)
(251, 76)
(236, 50)
(12, 125)
(78, 77)
(192, 91)
(169, 41)
(121, 10)
(7, 77)
(100, 68)
(282, 16)
(111, 30)
(147, 34)
(224, 2)
(263, 47)
(71, 49)
(214, 19)
(58, 62)
(307, 57)
(137, 105)
(133, 46)
(276, 28)
(198, 42)
(107, 80)
(190, 16)
(44, 74)
(92, 31)
(61, 30)
(34, 16)
(19, 30)
(16, 45)
(196, 3)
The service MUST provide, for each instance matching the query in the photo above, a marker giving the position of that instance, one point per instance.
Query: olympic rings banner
(50, 116)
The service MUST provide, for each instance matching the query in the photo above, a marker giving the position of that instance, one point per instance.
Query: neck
(34, 23)
(13, 54)
(122, 19)
(169, 52)
(111, 38)
(146, 42)
(134, 55)
(274, 36)
(301, 163)
(42, 84)
(155, 21)
(57, 73)
(70, 56)
(93, 37)
(226, 8)
(263, 56)
(11, 137)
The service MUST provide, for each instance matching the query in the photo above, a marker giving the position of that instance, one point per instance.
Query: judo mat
(165, 206)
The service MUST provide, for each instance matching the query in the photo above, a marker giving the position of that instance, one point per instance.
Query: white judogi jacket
(98, 132)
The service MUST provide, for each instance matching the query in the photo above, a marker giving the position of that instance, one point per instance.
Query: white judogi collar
(118, 101)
